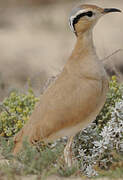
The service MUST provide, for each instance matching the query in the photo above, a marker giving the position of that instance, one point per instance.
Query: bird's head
(84, 17)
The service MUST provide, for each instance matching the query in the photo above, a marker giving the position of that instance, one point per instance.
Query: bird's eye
(89, 14)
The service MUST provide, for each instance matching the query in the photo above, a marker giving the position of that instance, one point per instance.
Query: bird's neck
(84, 45)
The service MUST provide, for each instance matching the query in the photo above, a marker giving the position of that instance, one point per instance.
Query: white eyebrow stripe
(80, 12)
(71, 25)
(74, 16)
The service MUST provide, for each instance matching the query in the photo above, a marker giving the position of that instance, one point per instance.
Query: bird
(77, 95)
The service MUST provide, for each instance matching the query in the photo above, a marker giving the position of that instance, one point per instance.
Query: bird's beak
(109, 10)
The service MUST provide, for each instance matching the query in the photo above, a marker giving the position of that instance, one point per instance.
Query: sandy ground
(54, 178)
(36, 41)
(72, 178)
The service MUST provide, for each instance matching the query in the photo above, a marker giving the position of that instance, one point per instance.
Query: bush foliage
(114, 95)
(97, 148)
(97, 143)
(15, 111)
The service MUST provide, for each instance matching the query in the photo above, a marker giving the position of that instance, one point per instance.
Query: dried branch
(4, 108)
(115, 52)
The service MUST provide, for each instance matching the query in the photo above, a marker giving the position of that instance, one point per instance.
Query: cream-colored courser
(78, 94)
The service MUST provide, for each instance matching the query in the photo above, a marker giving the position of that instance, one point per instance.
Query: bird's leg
(68, 152)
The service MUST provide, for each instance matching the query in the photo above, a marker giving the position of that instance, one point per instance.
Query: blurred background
(36, 41)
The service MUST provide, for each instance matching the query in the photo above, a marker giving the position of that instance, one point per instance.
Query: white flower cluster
(100, 145)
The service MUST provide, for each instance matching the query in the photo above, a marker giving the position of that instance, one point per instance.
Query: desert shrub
(15, 111)
(114, 95)
(101, 149)
(96, 148)
(95, 145)
(32, 160)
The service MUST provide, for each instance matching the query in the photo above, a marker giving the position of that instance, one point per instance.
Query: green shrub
(85, 138)
(95, 148)
(15, 111)
(95, 144)
(114, 95)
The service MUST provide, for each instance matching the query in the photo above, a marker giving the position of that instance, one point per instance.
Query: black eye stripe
(76, 19)
(89, 14)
